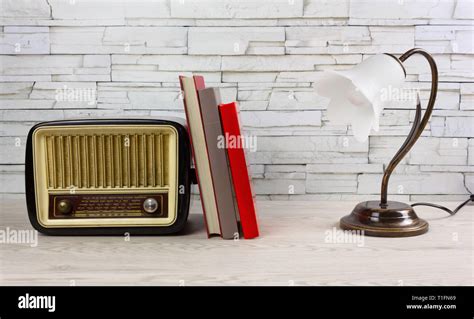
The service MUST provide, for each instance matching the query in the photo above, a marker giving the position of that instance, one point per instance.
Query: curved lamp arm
(418, 125)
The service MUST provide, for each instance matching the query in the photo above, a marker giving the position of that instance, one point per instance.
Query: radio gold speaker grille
(105, 173)
(107, 161)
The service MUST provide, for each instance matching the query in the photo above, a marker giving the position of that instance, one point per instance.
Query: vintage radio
(93, 177)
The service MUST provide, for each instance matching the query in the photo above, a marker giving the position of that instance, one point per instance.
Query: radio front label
(108, 206)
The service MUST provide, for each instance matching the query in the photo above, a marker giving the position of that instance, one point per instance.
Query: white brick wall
(268, 55)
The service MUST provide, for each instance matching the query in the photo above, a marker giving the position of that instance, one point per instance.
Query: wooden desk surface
(294, 249)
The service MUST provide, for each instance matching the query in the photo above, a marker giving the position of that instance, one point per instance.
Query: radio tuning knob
(150, 205)
(64, 206)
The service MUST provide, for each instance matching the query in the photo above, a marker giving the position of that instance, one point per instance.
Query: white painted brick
(267, 119)
(25, 29)
(79, 77)
(158, 22)
(326, 8)
(109, 113)
(92, 71)
(94, 61)
(295, 77)
(312, 22)
(452, 113)
(228, 95)
(243, 9)
(12, 182)
(444, 151)
(236, 41)
(13, 150)
(12, 168)
(447, 97)
(24, 40)
(439, 183)
(349, 40)
(310, 144)
(451, 68)
(470, 182)
(80, 104)
(25, 8)
(38, 70)
(158, 114)
(467, 88)
(25, 115)
(161, 99)
(249, 77)
(158, 76)
(120, 40)
(427, 150)
(331, 183)
(15, 90)
(23, 78)
(285, 168)
(61, 85)
(80, 40)
(234, 22)
(26, 104)
(256, 171)
(278, 186)
(253, 105)
(459, 127)
(280, 157)
(447, 168)
(143, 50)
(152, 39)
(120, 86)
(463, 9)
(14, 64)
(274, 63)
(104, 10)
(285, 175)
(53, 67)
(169, 62)
(254, 95)
(445, 39)
(393, 118)
(314, 40)
(65, 94)
(344, 169)
(24, 21)
(391, 39)
(467, 96)
(407, 9)
(297, 99)
(262, 85)
(471, 152)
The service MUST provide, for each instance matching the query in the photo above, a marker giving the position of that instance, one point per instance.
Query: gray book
(209, 100)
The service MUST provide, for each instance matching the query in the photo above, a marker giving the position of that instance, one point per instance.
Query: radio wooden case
(99, 177)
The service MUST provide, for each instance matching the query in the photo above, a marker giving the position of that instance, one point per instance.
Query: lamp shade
(357, 96)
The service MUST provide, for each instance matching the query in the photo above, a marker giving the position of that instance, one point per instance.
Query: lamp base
(394, 220)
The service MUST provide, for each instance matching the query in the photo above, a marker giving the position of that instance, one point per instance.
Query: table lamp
(357, 97)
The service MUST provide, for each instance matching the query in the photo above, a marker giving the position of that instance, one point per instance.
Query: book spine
(209, 100)
(181, 79)
(239, 170)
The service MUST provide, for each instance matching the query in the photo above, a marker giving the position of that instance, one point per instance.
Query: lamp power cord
(451, 212)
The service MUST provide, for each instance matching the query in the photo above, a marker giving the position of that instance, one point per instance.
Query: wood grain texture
(292, 249)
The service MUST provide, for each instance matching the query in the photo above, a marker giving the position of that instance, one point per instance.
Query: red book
(238, 166)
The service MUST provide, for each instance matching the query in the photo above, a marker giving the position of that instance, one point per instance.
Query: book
(209, 100)
(189, 86)
(239, 171)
